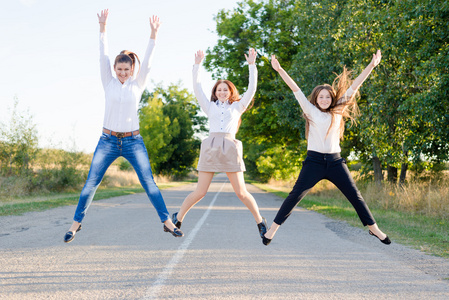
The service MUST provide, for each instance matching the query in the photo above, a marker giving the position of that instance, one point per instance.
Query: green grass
(425, 233)
(40, 203)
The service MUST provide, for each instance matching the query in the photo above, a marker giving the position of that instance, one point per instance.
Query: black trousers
(318, 166)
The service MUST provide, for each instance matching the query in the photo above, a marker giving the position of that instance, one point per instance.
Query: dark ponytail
(127, 56)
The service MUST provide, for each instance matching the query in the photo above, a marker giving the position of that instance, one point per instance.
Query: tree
(18, 142)
(170, 120)
(261, 26)
(154, 128)
(298, 33)
(404, 112)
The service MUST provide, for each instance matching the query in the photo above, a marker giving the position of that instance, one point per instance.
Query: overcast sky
(50, 58)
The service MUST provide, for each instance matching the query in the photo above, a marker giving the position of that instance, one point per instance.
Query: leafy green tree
(404, 111)
(400, 110)
(155, 130)
(261, 26)
(298, 33)
(174, 117)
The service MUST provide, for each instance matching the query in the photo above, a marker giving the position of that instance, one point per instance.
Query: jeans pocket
(137, 137)
(105, 136)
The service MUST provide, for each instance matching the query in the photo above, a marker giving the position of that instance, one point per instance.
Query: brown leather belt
(120, 134)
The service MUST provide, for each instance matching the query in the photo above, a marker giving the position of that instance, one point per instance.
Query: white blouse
(122, 100)
(319, 139)
(224, 117)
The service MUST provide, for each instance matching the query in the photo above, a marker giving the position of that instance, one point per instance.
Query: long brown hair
(347, 108)
(127, 56)
(234, 96)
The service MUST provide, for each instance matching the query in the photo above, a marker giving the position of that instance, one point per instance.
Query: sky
(50, 52)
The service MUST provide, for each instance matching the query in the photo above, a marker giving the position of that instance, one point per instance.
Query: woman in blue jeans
(121, 127)
(325, 113)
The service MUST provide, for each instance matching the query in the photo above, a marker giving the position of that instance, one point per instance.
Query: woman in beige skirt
(221, 152)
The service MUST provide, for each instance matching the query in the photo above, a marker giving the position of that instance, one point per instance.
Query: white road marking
(153, 291)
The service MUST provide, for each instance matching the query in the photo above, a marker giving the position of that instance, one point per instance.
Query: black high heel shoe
(70, 235)
(174, 219)
(176, 232)
(262, 227)
(386, 240)
(265, 240)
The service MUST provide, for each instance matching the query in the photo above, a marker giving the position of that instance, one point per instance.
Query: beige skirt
(221, 152)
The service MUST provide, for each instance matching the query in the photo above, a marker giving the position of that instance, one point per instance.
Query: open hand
(376, 58)
(199, 56)
(155, 23)
(275, 63)
(103, 16)
(251, 57)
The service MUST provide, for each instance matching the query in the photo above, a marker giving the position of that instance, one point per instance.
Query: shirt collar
(124, 83)
(218, 102)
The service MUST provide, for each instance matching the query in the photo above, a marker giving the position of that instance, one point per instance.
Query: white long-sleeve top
(122, 100)
(319, 139)
(224, 116)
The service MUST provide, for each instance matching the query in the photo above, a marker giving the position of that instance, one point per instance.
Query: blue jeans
(109, 148)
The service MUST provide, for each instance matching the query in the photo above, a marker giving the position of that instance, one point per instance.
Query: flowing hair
(344, 106)
(127, 56)
(234, 95)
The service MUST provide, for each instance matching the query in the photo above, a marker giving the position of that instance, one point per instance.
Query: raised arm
(306, 106)
(252, 84)
(287, 79)
(105, 64)
(197, 89)
(365, 73)
(144, 73)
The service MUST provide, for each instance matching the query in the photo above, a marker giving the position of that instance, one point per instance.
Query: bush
(124, 165)
(57, 180)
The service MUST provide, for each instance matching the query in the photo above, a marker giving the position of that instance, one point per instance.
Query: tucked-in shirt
(320, 138)
(224, 116)
(122, 100)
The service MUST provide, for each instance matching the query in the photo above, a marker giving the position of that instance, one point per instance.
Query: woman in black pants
(325, 112)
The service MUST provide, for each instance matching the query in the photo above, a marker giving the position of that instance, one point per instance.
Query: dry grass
(427, 198)
(115, 177)
(16, 186)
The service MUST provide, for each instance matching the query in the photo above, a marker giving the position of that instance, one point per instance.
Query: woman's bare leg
(204, 180)
(238, 183)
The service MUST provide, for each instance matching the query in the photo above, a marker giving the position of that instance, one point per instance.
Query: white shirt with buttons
(224, 116)
(319, 139)
(122, 100)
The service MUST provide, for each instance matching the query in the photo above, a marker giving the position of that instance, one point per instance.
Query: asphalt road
(123, 253)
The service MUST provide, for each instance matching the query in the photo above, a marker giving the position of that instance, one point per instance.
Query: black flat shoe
(176, 232)
(262, 227)
(386, 240)
(174, 219)
(265, 240)
(70, 235)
